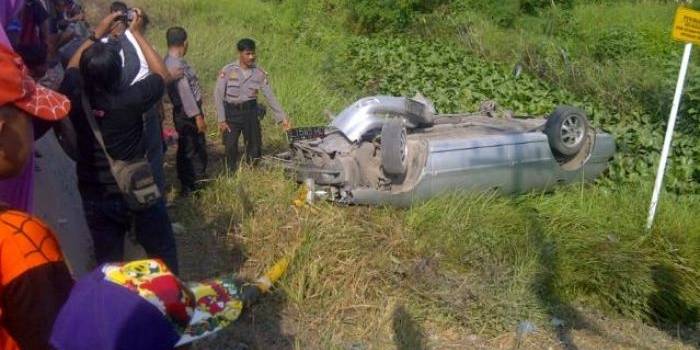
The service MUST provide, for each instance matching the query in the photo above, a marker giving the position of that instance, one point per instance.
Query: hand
(286, 125)
(201, 124)
(106, 24)
(136, 25)
(78, 17)
(223, 127)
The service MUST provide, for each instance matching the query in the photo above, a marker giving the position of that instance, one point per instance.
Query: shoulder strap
(89, 115)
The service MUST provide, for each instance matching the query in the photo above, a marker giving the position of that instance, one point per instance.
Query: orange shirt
(6, 341)
(25, 243)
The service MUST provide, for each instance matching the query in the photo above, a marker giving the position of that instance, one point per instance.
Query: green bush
(532, 7)
(371, 16)
(503, 13)
(616, 43)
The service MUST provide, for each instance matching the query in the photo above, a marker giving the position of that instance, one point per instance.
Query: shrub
(371, 16)
(615, 43)
(532, 7)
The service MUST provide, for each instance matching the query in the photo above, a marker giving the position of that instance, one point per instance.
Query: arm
(189, 104)
(65, 37)
(280, 116)
(219, 100)
(155, 62)
(102, 29)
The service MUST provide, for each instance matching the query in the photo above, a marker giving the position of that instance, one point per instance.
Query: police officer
(237, 105)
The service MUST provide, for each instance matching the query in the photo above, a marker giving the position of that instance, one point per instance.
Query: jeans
(109, 220)
(191, 152)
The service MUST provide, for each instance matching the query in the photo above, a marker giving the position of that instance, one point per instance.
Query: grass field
(462, 271)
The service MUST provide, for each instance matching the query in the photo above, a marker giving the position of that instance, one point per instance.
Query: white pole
(669, 135)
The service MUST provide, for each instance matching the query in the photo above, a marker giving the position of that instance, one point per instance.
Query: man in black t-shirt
(134, 69)
(119, 115)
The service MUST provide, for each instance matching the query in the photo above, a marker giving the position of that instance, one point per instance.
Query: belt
(243, 106)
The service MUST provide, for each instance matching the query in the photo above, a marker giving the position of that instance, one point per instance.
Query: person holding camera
(115, 182)
(134, 64)
(134, 69)
(237, 106)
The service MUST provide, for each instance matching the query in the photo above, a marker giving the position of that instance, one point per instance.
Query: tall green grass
(540, 254)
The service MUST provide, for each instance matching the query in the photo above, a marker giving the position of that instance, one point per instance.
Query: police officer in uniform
(237, 106)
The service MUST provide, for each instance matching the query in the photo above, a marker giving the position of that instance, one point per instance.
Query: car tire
(394, 147)
(567, 129)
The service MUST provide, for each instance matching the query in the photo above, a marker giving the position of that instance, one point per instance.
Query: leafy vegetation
(615, 58)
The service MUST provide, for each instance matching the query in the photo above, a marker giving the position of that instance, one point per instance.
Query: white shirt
(144, 71)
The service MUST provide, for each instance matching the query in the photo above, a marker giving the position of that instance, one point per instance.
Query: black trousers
(191, 152)
(153, 139)
(109, 220)
(244, 122)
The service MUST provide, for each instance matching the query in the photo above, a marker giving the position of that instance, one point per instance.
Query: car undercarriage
(398, 151)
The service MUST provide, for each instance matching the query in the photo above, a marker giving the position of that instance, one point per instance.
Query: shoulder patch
(224, 70)
(264, 74)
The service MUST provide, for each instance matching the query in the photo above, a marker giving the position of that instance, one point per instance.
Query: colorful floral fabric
(195, 310)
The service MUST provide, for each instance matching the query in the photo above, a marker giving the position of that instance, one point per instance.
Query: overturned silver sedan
(398, 151)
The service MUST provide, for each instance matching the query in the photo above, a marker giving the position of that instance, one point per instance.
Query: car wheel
(567, 129)
(394, 147)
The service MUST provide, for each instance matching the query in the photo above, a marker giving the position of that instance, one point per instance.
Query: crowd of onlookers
(100, 91)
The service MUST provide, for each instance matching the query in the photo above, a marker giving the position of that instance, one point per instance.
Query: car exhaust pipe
(370, 113)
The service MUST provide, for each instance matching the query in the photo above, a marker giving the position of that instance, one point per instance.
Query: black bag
(134, 178)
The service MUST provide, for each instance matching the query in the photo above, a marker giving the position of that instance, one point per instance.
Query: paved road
(57, 202)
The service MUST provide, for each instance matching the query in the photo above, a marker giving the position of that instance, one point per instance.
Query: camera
(128, 16)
